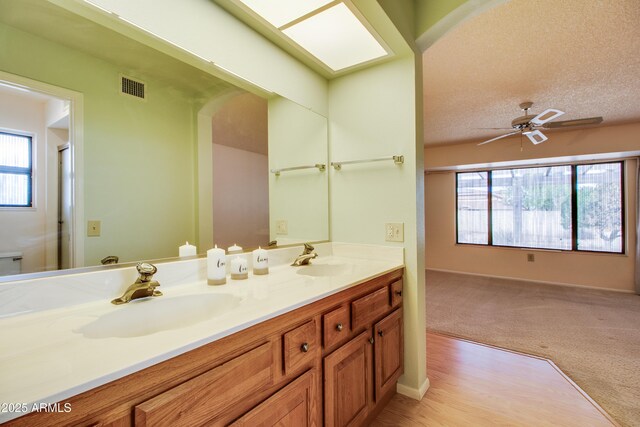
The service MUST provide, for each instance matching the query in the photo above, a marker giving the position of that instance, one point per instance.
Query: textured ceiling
(579, 56)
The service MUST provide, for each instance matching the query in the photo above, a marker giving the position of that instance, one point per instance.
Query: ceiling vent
(131, 87)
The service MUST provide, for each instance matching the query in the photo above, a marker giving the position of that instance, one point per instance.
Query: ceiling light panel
(281, 12)
(336, 37)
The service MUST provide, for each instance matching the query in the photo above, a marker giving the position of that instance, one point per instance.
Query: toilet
(10, 263)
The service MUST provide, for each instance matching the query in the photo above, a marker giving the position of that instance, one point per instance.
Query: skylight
(281, 12)
(334, 35)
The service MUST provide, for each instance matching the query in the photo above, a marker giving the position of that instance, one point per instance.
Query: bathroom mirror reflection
(183, 156)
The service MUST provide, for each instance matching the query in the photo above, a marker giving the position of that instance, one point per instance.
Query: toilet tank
(10, 263)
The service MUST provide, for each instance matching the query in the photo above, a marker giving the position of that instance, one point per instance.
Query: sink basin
(149, 316)
(324, 270)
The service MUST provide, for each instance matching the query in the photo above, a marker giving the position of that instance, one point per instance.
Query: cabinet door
(294, 406)
(348, 383)
(388, 352)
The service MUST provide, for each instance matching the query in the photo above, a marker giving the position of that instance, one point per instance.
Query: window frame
(574, 208)
(14, 170)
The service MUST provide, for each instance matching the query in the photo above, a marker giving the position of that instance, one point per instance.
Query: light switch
(282, 227)
(394, 232)
(93, 228)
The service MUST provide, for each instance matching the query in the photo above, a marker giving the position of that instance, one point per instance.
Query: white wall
(23, 229)
(297, 137)
(204, 28)
(373, 114)
(609, 271)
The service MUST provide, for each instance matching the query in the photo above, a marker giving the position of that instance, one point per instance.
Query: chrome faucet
(306, 256)
(143, 287)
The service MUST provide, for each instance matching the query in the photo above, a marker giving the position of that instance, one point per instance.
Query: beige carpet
(593, 336)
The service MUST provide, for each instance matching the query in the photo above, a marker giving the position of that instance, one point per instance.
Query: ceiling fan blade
(499, 137)
(546, 116)
(576, 122)
(535, 136)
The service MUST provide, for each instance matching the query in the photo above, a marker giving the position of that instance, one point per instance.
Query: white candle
(187, 250)
(216, 266)
(260, 261)
(239, 268)
(235, 249)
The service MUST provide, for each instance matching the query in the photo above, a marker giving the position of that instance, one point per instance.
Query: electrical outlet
(93, 228)
(282, 227)
(531, 257)
(394, 232)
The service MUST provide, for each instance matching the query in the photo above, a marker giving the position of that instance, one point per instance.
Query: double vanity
(317, 344)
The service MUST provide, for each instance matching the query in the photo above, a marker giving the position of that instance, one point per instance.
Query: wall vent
(129, 86)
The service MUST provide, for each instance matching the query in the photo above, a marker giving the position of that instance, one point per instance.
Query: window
(568, 207)
(473, 207)
(15, 170)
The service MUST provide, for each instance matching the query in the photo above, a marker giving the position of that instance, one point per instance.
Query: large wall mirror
(110, 148)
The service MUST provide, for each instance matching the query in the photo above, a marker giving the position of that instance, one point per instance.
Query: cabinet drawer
(335, 326)
(368, 308)
(396, 293)
(295, 406)
(301, 346)
(205, 397)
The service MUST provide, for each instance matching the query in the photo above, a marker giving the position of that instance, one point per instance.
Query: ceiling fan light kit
(527, 125)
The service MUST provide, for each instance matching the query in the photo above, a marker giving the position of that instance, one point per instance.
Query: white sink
(152, 315)
(325, 270)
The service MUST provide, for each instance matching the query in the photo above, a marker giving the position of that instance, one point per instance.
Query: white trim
(520, 279)
(414, 393)
(76, 139)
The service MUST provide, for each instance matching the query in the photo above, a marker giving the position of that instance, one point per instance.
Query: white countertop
(48, 355)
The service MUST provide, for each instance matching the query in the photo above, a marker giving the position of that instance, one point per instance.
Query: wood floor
(478, 385)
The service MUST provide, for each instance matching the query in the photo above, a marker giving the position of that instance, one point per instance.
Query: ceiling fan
(528, 125)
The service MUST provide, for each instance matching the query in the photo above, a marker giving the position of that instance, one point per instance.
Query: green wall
(138, 155)
(429, 12)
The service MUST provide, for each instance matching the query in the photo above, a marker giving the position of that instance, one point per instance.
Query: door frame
(76, 142)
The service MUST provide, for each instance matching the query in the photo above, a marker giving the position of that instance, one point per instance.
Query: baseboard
(413, 393)
(520, 279)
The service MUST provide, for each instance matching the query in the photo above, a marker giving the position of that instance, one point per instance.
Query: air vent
(131, 87)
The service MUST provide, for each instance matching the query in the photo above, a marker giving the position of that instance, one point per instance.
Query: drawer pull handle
(399, 293)
(381, 333)
(339, 327)
(371, 340)
(304, 347)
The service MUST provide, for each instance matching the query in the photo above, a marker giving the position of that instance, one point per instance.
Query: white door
(64, 207)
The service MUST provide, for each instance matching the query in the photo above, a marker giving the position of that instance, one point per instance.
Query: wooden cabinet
(269, 374)
(201, 400)
(335, 327)
(388, 353)
(301, 346)
(348, 378)
(293, 406)
(396, 293)
(368, 308)
(362, 373)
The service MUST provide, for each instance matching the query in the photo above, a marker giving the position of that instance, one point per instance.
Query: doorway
(65, 206)
(45, 231)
